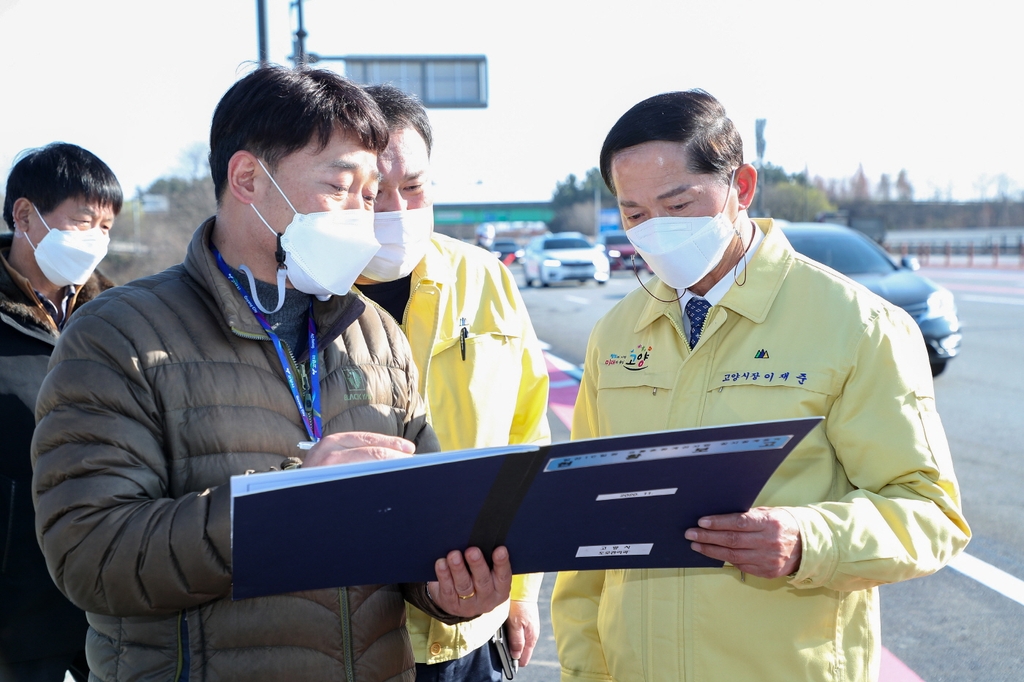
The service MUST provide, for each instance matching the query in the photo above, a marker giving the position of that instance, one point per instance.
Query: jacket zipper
(346, 633)
(182, 643)
(297, 369)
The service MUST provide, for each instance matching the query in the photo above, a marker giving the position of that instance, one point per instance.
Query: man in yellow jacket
(482, 371)
(737, 327)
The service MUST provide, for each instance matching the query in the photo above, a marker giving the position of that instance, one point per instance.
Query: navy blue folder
(619, 502)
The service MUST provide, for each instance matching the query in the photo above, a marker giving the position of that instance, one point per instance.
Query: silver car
(563, 257)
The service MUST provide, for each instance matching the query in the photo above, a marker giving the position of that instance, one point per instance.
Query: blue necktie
(697, 310)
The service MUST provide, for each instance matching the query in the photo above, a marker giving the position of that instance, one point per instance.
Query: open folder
(619, 502)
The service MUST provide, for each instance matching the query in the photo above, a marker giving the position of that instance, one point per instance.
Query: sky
(934, 88)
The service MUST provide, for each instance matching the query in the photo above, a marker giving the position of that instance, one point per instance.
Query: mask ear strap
(277, 186)
(735, 278)
(632, 259)
(24, 233)
(255, 297)
(732, 179)
(279, 254)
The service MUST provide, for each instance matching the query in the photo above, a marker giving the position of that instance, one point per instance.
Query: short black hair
(402, 110)
(47, 176)
(275, 111)
(693, 118)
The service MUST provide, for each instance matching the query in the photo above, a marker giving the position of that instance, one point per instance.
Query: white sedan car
(562, 257)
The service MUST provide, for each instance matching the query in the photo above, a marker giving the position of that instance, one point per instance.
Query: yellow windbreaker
(872, 488)
(497, 395)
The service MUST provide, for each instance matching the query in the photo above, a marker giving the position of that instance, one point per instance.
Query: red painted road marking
(895, 670)
(562, 398)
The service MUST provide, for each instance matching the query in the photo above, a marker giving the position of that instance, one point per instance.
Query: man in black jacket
(60, 203)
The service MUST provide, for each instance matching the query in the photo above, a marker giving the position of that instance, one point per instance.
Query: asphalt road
(947, 626)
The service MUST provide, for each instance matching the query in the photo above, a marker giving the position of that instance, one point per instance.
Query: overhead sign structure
(440, 81)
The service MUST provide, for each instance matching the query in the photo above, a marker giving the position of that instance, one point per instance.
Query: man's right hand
(357, 446)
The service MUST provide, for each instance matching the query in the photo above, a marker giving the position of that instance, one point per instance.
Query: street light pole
(759, 125)
(261, 31)
(299, 57)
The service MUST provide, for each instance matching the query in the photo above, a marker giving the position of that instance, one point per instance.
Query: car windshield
(616, 239)
(850, 254)
(566, 244)
(508, 246)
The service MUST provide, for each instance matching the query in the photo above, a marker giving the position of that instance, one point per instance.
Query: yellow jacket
(498, 395)
(872, 488)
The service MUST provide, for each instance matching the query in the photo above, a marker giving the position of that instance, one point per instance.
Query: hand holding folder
(617, 502)
(466, 585)
(473, 592)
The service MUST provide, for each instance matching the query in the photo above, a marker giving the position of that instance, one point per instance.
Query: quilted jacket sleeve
(114, 541)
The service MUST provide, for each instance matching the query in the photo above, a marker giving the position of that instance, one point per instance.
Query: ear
(242, 169)
(23, 213)
(746, 185)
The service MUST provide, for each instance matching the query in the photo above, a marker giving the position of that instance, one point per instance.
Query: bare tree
(904, 190)
(884, 190)
(860, 186)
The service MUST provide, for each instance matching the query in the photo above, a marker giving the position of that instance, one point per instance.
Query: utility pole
(759, 128)
(261, 31)
(299, 57)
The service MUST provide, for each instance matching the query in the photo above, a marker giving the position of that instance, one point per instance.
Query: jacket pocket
(634, 402)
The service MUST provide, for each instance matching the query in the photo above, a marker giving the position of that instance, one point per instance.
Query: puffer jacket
(159, 392)
(36, 620)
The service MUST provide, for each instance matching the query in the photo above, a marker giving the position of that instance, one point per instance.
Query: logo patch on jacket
(353, 378)
(761, 355)
(634, 360)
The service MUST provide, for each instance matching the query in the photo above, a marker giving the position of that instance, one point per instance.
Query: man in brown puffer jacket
(161, 390)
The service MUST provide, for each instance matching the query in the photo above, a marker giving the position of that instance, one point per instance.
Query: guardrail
(965, 253)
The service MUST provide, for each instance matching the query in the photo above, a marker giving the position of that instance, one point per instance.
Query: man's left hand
(764, 541)
(523, 629)
(467, 587)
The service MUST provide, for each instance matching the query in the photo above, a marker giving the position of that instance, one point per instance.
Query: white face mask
(324, 252)
(404, 237)
(682, 251)
(69, 256)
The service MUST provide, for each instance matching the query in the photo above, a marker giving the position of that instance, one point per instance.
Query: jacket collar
(764, 276)
(19, 304)
(434, 267)
(332, 316)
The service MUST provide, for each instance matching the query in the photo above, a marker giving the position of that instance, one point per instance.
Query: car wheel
(938, 367)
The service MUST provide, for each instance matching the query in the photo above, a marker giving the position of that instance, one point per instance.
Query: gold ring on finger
(468, 596)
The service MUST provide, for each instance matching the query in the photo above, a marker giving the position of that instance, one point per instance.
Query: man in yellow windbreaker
(737, 327)
(482, 371)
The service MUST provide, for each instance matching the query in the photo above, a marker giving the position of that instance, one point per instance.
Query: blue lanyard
(314, 422)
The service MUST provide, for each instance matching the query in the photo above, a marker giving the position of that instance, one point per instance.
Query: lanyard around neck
(313, 422)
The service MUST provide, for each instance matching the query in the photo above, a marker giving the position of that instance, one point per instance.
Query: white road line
(1005, 300)
(989, 576)
(546, 664)
(576, 299)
